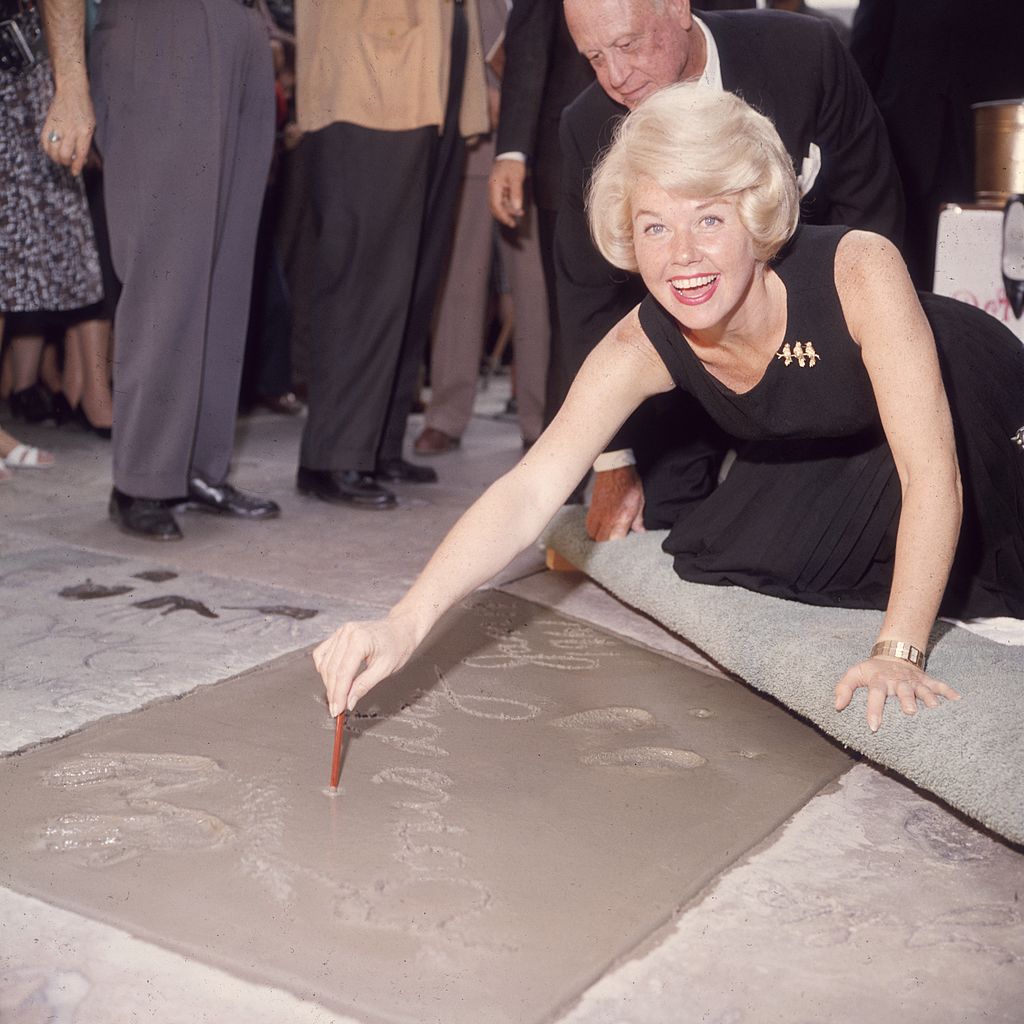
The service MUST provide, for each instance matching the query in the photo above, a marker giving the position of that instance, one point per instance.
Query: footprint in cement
(285, 610)
(136, 775)
(616, 719)
(156, 575)
(99, 840)
(427, 905)
(650, 760)
(132, 822)
(89, 591)
(177, 603)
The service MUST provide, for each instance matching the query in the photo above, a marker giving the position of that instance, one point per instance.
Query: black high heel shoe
(31, 405)
(85, 423)
(60, 408)
(1013, 253)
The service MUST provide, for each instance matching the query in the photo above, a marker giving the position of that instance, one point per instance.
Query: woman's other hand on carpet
(885, 677)
(360, 655)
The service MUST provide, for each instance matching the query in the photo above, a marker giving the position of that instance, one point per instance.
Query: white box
(968, 261)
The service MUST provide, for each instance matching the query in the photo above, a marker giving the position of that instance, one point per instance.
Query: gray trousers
(459, 328)
(185, 123)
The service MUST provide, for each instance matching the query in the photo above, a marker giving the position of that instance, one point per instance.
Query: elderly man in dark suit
(792, 69)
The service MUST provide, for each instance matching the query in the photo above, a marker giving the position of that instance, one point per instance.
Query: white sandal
(24, 456)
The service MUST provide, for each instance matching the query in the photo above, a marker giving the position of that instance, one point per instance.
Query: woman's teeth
(693, 283)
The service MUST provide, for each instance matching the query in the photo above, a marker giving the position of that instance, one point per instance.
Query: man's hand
(505, 191)
(70, 122)
(616, 505)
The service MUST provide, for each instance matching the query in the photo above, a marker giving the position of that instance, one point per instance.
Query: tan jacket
(384, 64)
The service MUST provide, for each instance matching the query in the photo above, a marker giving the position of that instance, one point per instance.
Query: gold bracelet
(900, 649)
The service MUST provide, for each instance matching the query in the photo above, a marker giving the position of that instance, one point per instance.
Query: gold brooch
(802, 353)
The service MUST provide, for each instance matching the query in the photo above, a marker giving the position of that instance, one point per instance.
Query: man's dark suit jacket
(794, 70)
(925, 65)
(543, 74)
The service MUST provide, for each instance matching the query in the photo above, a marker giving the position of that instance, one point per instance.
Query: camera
(21, 35)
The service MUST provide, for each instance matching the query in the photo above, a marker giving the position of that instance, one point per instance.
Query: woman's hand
(360, 655)
(67, 132)
(891, 677)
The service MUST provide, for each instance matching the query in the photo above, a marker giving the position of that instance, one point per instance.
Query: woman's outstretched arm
(618, 375)
(898, 349)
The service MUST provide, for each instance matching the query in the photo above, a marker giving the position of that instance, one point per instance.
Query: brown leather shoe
(434, 442)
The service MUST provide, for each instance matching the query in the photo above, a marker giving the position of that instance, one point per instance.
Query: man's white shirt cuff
(614, 460)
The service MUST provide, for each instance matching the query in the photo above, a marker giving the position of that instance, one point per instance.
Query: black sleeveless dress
(810, 508)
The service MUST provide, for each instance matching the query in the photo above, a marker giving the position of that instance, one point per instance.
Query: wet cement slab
(85, 634)
(521, 806)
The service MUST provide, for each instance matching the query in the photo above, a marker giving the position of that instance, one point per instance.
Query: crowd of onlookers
(262, 203)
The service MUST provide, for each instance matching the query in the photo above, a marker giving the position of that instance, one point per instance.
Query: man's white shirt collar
(712, 74)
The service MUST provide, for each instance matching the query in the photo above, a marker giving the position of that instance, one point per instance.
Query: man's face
(633, 48)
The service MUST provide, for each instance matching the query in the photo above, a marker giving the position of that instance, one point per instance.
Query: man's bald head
(637, 46)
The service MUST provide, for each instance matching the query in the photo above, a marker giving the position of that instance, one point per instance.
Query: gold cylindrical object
(998, 150)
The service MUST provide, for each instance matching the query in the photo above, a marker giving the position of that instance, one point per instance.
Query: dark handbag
(21, 35)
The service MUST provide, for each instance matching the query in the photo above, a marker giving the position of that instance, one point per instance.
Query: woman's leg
(26, 351)
(87, 370)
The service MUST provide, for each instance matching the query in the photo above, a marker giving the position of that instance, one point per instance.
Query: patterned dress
(48, 258)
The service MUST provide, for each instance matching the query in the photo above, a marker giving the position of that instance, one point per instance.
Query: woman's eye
(711, 220)
(654, 229)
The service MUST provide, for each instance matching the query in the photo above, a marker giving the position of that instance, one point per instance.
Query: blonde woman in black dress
(813, 350)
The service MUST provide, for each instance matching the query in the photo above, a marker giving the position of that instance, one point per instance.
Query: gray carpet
(970, 753)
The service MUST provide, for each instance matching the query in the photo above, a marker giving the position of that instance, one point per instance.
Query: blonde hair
(701, 143)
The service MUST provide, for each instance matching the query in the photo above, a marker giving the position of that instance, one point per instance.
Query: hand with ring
(67, 131)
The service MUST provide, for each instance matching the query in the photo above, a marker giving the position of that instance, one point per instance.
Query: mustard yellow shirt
(384, 64)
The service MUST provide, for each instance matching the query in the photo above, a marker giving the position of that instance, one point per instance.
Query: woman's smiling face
(695, 255)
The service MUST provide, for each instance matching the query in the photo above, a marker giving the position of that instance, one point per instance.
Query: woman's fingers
(357, 657)
(876, 705)
(884, 678)
(338, 660)
(906, 692)
(942, 689)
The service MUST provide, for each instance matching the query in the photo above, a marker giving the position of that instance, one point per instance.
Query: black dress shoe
(400, 471)
(1013, 253)
(229, 501)
(143, 517)
(344, 487)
